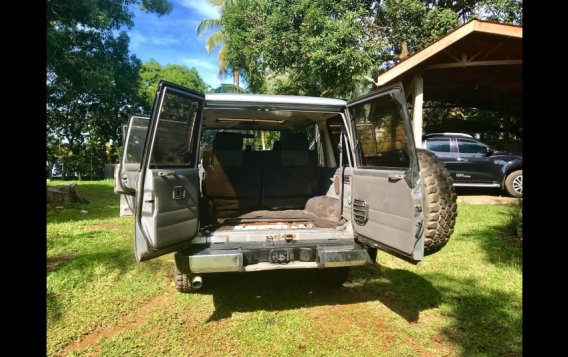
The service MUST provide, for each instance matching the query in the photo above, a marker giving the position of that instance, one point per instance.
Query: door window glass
(335, 130)
(471, 147)
(438, 145)
(381, 133)
(175, 139)
(136, 138)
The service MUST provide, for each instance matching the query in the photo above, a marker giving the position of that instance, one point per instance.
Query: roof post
(418, 100)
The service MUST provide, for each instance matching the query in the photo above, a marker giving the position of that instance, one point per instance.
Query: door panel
(168, 188)
(167, 220)
(126, 174)
(387, 194)
(391, 212)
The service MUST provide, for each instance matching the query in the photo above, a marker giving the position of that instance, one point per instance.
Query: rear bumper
(242, 259)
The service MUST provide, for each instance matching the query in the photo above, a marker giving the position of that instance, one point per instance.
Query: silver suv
(240, 183)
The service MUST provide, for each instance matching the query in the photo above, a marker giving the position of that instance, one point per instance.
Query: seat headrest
(294, 141)
(228, 141)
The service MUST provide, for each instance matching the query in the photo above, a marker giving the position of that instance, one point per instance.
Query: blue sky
(172, 38)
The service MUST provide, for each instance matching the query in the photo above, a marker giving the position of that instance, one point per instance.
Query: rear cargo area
(252, 190)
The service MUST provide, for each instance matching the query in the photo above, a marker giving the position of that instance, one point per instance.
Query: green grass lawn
(464, 300)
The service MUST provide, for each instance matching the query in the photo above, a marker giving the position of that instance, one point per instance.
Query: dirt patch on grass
(53, 263)
(487, 200)
(510, 237)
(128, 322)
(372, 325)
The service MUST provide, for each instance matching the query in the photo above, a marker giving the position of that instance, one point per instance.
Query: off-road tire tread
(182, 282)
(441, 208)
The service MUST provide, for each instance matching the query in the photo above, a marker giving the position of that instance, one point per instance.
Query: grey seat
(232, 177)
(289, 175)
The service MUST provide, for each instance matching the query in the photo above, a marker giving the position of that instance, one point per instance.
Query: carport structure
(477, 65)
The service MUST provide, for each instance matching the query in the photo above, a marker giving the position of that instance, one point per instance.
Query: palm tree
(218, 38)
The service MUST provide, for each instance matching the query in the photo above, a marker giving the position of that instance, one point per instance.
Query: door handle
(462, 159)
(166, 173)
(395, 177)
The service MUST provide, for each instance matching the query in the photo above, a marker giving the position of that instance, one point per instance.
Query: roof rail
(448, 134)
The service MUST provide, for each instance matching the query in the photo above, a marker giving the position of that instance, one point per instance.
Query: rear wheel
(440, 195)
(182, 281)
(514, 183)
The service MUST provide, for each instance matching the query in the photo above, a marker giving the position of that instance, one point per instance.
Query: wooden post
(418, 100)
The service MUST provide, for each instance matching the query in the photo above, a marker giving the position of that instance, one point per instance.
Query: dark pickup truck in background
(474, 164)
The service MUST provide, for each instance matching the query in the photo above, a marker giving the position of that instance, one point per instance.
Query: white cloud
(163, 41)
(136, 39)
(199, 64)
(202, 7)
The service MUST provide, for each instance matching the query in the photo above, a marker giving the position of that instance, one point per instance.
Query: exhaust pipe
(196, 282)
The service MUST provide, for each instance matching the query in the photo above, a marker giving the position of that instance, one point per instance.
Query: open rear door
(168, 187)
(386, 192)
(126, 172)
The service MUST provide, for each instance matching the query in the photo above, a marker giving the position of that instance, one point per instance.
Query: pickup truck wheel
(182, 281)
(441, 208)
(514, 183)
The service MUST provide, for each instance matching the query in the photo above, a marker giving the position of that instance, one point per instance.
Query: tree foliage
(217, 39)
(320, 47)
(151, 72)
(326, 47)
(92, 81)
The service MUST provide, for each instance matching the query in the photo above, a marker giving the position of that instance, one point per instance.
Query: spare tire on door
(440, 196)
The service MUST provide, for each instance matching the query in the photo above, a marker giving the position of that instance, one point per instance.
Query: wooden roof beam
(474, 64)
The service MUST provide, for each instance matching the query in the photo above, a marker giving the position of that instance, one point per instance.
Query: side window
(334, 127)
(175, 138)
(135, 140)
(315, 143)
(466, 146)
(381, 133)
(438, 145)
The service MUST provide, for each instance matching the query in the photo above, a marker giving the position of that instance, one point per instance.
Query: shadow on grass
(499, 248)
(292, 289)
(483, 321)
(53, 306)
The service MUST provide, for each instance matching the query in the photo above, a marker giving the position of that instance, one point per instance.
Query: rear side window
(176, 134)
(471, 147)
(135, 140)
(335, 128)
(381, 133)
(438, 145)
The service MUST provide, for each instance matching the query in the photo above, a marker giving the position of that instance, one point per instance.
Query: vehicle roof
(236, 98)
(461, 135)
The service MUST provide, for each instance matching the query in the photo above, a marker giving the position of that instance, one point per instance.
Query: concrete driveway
(492, 196)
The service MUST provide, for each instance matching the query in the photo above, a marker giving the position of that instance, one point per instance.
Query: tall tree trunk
(403, 51)
(50, 170)
(237, 80)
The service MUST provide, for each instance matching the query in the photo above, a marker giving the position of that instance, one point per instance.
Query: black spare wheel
(440, 196)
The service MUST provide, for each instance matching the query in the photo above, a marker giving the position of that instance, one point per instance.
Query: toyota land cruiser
(246, 182)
